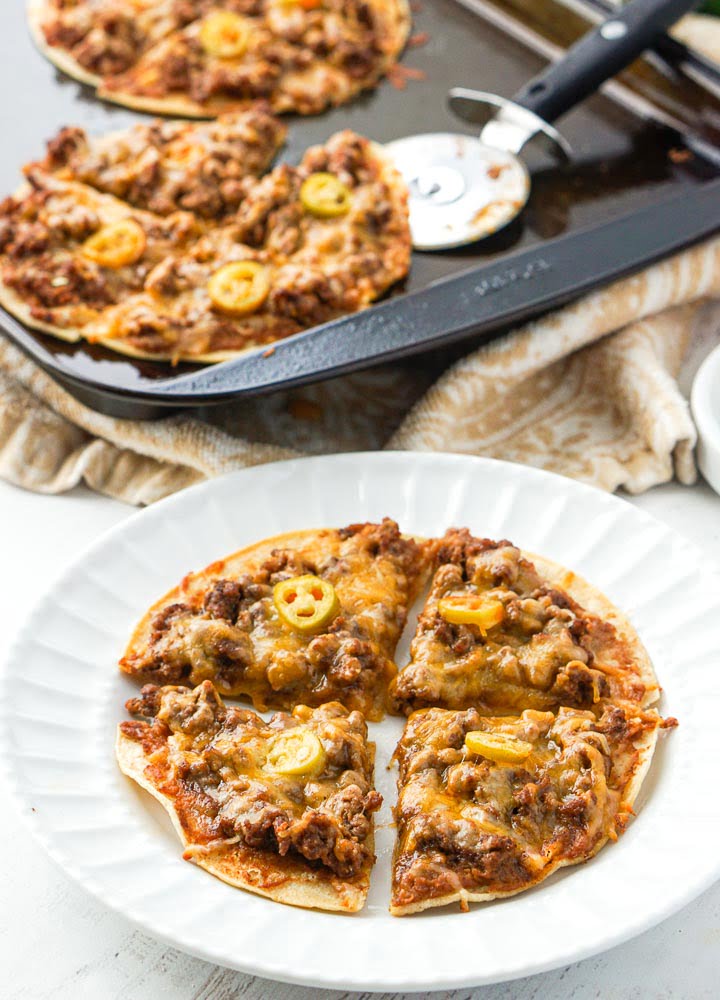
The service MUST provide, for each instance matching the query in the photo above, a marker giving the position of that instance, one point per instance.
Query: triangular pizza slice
(488, 807)
(69, 253)
(306, 245)
(170, 166)
(503, 631)
(303, 618)
(282, 808)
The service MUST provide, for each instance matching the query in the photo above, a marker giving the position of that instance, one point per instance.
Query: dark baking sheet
(622, 161)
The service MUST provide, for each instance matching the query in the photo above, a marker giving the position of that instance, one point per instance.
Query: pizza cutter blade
(462, 188)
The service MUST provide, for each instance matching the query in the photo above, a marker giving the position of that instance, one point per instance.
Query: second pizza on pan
(529, 696)
(205, 57)
(169, 241)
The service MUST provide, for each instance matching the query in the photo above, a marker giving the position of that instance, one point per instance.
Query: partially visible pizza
(204, 57)
(488, 807)
(281, 808)
(503, 631)
(161, 242)
(69, 254)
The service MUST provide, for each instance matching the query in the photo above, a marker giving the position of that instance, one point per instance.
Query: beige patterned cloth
(701, 32)
(590, 391)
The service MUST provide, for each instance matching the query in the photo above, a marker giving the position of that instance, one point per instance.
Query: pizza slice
(307, 244)
(489, 807)
(296, 248)
(503, 631)
(91, 39)
(343, 211)
(204, 57)
(282, 808)
(303, 618)
(69, 253)
(169, 166)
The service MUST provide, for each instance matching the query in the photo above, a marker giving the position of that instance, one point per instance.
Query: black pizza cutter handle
(599, 55)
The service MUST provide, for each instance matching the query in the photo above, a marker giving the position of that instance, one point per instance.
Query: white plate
(61, 697)
(705, 404)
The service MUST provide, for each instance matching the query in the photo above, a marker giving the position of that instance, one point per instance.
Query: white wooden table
(56, 942)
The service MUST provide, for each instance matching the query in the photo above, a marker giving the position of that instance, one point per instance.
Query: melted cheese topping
(234, 778)
(246, 648)
(469, 825)
(300, 57)
(543, 651)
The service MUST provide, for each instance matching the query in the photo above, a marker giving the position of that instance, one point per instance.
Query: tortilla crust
(11, 301)
(646, 749)
(36, 11)
(394, 17)
(282, 879)
(594, 601)
(15, 305)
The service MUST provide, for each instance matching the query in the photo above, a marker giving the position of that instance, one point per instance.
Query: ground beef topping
(52, 282)
(545, 650)
(301, 57)
(172, 166)
(470, 824)
(213, 761)
(107, 37)
(103, 41)
(225, 627)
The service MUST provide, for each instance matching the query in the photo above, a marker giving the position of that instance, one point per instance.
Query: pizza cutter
(462, 188)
